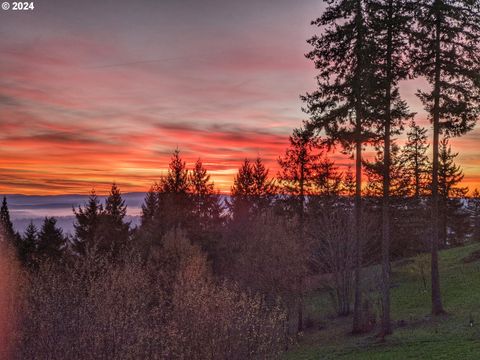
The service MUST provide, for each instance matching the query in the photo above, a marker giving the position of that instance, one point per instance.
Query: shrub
(130, 309)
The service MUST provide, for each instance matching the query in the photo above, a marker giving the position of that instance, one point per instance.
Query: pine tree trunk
(357, 306)
(386, 328)
(437, 307)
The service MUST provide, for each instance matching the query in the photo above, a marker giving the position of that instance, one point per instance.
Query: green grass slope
(416, 334)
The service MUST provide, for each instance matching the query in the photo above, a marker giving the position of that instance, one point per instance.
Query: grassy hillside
(417, 335)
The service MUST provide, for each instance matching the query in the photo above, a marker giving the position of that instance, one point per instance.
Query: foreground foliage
(92, 308)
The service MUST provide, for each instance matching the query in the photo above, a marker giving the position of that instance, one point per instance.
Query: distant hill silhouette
(27, 208)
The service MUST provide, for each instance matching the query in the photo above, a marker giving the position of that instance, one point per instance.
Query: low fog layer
(25, 209)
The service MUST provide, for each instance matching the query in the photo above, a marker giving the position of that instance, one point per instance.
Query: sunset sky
(98, 91)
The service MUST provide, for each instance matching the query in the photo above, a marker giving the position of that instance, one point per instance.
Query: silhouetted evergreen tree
(243, 182)
(296, 179)
(348, 186)
(297, 166)
(149, 220)
(390, 22)
(206, 211)
(176, 181)
(27, 249)
(167, 205)
(297, 170)
(200, 184)
(410, 211)
(250, 196)
(415, 160)
(206, 207)
(150, 205)
(327, 179)
(51, 241)
(113, 230)
(6, 225)
(173, 195)
(446, 53)
(454, 219)
(341, 106)
(241, 192)
(264, 188)
(407, 214)
(87, 220)
(398, 180)
(252, 190)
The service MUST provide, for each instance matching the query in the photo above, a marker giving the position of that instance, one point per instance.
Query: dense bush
(96, 309)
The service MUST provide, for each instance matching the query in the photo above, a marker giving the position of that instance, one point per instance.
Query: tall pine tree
(454, 220)
(296, 178)
(167, 204)
(264, 188)
(297, 170)
(6, 225)
(176, 181)
(252, 190)
(398, 181)
(389, 21)
(87, 220)
(415, 160)
(27, 249)
(206, 214)
(446, 40)
(206, 207)
(341, 106)
(241, 192)
(51, 242)
(113, 230)
(173, 194)
(149, 223)
(412, 215)
(150, 206)
(327, 179)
